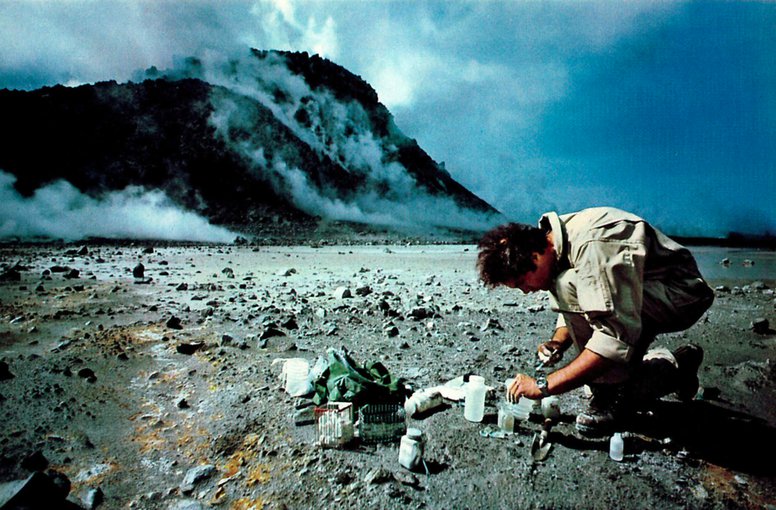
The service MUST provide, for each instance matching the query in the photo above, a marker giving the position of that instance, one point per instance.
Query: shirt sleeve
(610, 280)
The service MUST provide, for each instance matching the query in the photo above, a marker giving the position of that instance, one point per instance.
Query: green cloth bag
(345, 381)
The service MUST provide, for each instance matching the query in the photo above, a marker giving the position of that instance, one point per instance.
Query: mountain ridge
(263, 142)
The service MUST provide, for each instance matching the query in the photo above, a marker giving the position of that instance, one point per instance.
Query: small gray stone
(93, 498)
(195, 476)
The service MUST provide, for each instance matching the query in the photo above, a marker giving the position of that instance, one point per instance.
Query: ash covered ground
(163, 394)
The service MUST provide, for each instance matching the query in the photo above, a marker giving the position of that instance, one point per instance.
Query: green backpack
(344, 381)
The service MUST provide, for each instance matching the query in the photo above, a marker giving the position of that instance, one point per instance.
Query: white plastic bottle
(474, 403)
(616, 447)
(551, 407)
(411, 448)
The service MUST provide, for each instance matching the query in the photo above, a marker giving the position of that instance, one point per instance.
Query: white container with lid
(617, 447)
(474, 404)
(411, 448)
(551, 407)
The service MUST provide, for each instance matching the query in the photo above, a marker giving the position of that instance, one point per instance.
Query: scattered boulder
(342, 293)
(491, 324)
(88, 374)
(10, 275)
(269, 332)
(174, 323)
(139, 270)
(37, 491)
(5, 371)
(761, 326)
(36, 461)
(196, 475)
(189, 348)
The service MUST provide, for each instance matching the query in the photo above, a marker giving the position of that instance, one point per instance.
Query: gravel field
(159, 391)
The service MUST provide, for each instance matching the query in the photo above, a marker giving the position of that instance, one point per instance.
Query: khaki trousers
(666, 307)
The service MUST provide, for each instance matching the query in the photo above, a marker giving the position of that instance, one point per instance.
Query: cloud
(387, 194)
(60, 211)
(494, 89)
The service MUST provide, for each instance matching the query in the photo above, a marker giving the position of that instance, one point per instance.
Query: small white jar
(411, 448)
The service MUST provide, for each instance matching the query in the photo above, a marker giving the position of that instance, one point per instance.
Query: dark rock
(88, 374)
(73, 274)
(35, 462)
(10, 275)
(761, 326)
(270, 332)
(36, 492)
(189, 348)
(138, 271)
(491, 324)
(182, 286)
(290, 323)
(60, 481)
(364, 290)
(5, 371)
(174, 323)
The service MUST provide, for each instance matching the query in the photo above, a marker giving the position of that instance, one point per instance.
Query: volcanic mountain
(256, 143)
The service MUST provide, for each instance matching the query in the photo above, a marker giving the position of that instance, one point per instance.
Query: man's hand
(551, 352)
(522, 386)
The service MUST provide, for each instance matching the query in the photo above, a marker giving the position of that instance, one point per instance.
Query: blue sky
(667, 109)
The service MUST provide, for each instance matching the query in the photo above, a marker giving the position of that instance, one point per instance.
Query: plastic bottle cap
(414, 433)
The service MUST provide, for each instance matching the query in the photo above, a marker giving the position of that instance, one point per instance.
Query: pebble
(93, 498)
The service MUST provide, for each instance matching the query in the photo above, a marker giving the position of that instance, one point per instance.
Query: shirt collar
(558, 233)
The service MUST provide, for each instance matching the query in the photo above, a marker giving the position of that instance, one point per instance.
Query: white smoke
(60, 211)
(389, 195)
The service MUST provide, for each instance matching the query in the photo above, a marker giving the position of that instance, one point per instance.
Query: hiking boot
(689, 358)
(604, 412)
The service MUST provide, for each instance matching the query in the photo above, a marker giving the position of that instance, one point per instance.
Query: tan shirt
(611, 261)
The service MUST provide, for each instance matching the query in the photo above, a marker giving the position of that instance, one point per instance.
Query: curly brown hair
(505, 252)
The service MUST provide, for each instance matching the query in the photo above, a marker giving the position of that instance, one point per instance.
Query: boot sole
(599, 431)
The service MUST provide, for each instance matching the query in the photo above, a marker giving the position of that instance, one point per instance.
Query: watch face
(541, 382)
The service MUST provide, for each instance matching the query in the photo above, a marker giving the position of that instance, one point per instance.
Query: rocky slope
(251, 143)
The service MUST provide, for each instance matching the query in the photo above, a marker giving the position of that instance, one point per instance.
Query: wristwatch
(541, 383)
